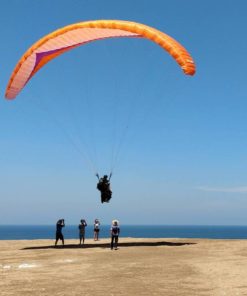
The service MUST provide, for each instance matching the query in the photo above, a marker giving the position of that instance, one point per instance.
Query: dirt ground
(138, 267)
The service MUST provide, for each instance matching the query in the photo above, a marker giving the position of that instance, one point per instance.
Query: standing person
(81, 227)
(96, 229)
(59, 234)
(115, 230)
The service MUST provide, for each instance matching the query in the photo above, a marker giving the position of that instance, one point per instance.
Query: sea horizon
(38, 231)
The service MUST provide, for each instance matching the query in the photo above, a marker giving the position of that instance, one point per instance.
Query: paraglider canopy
(69, 37)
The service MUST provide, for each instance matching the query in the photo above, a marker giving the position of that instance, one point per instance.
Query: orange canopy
(66, 38)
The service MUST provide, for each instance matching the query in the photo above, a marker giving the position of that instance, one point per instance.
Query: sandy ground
(138, 267)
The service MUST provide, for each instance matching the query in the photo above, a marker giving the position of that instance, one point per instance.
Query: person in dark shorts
(96, 229)
(59, 234)
(115, 230)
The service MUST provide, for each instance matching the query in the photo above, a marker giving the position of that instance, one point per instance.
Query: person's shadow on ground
(107, 245)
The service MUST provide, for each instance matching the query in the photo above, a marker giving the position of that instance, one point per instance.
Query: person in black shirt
(59, 234)
(104, 187)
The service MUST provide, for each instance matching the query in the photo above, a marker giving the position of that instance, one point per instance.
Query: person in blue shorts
(82, 227)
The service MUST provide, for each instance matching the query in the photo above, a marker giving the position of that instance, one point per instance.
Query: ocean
(18, 232)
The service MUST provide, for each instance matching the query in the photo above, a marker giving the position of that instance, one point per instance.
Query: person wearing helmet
(104, 187)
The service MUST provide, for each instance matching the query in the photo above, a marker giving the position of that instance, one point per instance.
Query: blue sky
(182, 156)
